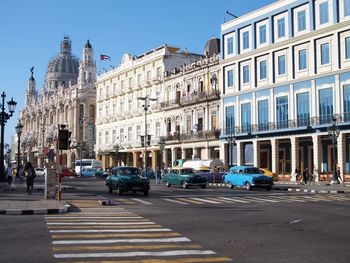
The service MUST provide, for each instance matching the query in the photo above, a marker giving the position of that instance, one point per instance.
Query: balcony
(170, 104)
(193, 136)
(199, 97)
(156, 79)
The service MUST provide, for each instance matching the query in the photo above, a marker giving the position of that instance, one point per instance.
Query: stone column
(223, 156)
(274, 155)
(239, 153)
(294, 141)
(154, 160)
(256, 153)
(317, 147)
(165, 157)
(341, 152)
(135, 158)
(173, 155)
(195, 153)
(183, 153)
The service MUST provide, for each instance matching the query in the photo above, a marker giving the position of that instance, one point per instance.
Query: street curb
(38, 211)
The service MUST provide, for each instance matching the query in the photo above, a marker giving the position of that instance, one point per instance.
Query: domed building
(67, 100)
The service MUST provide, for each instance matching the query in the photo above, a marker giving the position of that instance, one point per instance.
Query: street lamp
(19, 128)
(4, 116)
(146, 106)
(117, 148)
(231, 140)
(334, 132)
(161, 148)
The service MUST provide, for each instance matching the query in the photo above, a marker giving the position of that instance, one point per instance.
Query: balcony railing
(199, 96)
(169, 103)
(193, 136)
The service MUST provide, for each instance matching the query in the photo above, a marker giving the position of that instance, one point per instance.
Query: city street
(211, 225)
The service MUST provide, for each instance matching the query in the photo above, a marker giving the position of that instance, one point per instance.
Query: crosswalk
(113, 234)
(246, 199)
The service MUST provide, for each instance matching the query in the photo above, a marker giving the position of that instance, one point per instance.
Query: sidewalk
(314, 187)
(14, 200)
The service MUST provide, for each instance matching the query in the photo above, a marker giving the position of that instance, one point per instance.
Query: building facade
(286, 76)
(122, 120)
(67, 98)
(191, 109)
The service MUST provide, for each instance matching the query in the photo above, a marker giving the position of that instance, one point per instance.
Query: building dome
(63, 68)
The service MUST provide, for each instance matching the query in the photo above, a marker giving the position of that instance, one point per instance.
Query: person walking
(339, 175)
(297, 176)
(30, 175)
(20, 173)
(306, 176)
(158, 176)
(9, 175)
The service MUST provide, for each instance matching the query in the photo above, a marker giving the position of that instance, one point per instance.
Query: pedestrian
(30, 175)
(158, 176)
(339, 175)
(306, 176)
(297, 175)
(20, 173)
(9, 175)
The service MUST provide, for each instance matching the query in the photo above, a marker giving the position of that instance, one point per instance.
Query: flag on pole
(105, 57)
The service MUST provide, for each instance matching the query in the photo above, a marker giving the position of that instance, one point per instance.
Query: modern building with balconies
(286, 81)
(121, 124)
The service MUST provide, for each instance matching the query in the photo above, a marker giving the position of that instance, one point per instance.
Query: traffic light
(63, 139)
(149, 140)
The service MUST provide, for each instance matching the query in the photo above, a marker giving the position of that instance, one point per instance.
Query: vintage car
(68, 172)
(184, 177)
(267, 172)
(247, 177)
(127, 178)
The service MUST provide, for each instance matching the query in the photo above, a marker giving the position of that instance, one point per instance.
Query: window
(121, 135)
(324, 13)
(262, 70)
(114, 136)
(302, 59)
(246, 74)
(346, 7)
(129, 134)
(347, 103)
(263, 115)
(282, 112)
(347, 48)
(230, 78)
(301, 20)
(230, 120)
(100, 137)
(114, 109)
(262, 34)
(138, 131)
(157, 129)
(282, 65)
(213, 120)
(245, 117)
(230, 45)
(281, 28)
(303, 110)
(246, 40)
(326, 105)
(107, 137)
(325, 53)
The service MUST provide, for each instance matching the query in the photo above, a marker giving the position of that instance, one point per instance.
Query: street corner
(43, 207)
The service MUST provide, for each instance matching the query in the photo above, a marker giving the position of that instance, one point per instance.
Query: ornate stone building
(68, 98)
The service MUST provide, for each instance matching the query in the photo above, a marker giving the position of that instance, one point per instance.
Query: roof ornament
(32, 72)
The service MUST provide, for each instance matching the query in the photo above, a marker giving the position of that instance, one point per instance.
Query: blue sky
(31, 31)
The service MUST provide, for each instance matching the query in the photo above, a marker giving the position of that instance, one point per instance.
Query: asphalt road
(239, 226)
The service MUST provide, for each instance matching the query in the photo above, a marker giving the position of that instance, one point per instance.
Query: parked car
(127, 178)
(68, 172)
(149, 173)
(88, 172)
(184, 177)
(39, 171)
(212, 177)
(248, 177)
(267, 172)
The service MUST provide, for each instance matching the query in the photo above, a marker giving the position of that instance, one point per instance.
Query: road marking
(98, 220)
(111, 230)
(94, 217)
(137, 254)
(218, 199)
(205, 200)
(318, 198)
(124, 247)
(237, 199)
(111, 241)
(94, 213)
(282, 199)
(262, 200)
(175, 201)
(114, 235)
(101, 227)
(190, 201)
(178, 260)
(99, 223)
(142, 201)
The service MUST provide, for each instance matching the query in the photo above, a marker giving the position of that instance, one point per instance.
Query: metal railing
(200, 96)
(193, 136)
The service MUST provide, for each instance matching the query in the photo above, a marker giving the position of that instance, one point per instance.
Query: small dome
(212, 47)
(63, 68)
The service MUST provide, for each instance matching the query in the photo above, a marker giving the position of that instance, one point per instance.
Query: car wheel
(248, 186)
(146, 192)
(167, 184)
(230, 185)
(110, 189)
(184, 185)
(203, 186)
(268, 188)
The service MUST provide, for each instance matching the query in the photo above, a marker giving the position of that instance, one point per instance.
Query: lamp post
(19, 128)
(146, 106)
(117, 148)
(3, 119)
(334, 132)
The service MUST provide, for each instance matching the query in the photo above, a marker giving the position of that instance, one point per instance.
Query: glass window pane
(262, 34)
(245, 117)
(263, 115)
(282, 112)
(263, 69)
(324, 13)
(246, 74)
(347, 48)
(303, 111)
(325, 54)
(301, 20)
(245, 40)
(281, 65)
(346, 7)
(230, 78)
(281, 27)
(230, 119)
(302, 59)
(347, 103)
(230, 45)
(326, 105)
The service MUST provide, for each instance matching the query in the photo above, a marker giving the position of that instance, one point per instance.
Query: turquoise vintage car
(184, 177)
(127, 178)
(247, 177)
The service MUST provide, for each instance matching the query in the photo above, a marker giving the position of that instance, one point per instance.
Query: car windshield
(128, 171)
(252, 170)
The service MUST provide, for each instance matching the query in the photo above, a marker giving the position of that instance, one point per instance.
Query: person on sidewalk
(297, 175)
(20, 173)
(339, 175)
(9, 175)
(158, 176)
(306, 176)
(30, 175)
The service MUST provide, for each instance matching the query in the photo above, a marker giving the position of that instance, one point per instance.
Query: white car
(39, 171)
